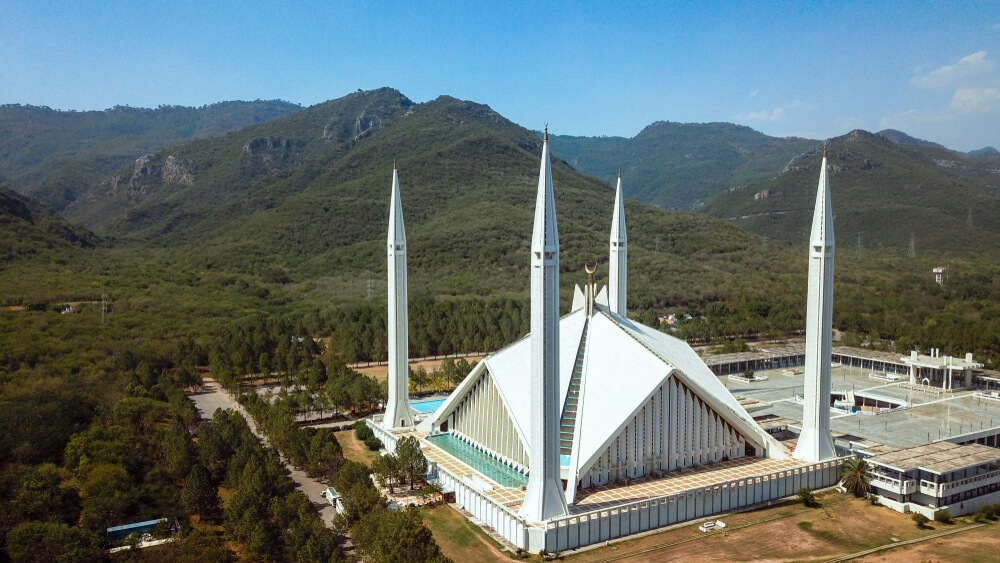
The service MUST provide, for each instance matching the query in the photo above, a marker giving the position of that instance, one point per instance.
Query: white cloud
(849, 123)
(913, 119)
(967, 68)
(777, 114)
(981, 100)
(753, 93)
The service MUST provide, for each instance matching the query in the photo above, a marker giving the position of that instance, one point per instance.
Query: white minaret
(618, 266)
(397, 409)
(544, 497)
(816, 442)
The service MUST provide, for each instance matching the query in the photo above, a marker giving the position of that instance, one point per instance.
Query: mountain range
(303, 199)
(55, 155)
(887, 189)
(681, 165)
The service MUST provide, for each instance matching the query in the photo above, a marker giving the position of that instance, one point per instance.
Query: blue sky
(810, 69)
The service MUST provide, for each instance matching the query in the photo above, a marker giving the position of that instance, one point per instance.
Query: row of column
(674, 429)
(598, 526)
(602, 525)
(484, 420)
(503, 520)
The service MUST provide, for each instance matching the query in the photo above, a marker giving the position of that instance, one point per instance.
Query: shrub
(920, 520)
(373, 443)
(942, 516)
(980, 517)
(363, 432)
(873, 499)
(807, 497)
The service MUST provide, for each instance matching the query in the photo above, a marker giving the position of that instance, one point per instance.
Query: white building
(938, 476)
(594, 426)
(934, 370)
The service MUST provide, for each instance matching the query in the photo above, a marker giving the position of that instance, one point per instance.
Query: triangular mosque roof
(624, 364)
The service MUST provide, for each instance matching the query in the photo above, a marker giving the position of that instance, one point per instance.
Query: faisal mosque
(593, 426)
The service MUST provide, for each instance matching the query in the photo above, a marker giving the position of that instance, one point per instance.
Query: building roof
(625, 363)
(939, 362)
(136, 525)
(937, 457)
(752, 405)
(798, 348)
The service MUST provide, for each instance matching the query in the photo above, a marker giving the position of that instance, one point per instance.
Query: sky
(810, 69)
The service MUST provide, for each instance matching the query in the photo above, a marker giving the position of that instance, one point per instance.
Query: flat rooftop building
(938, 476)
(940, 371)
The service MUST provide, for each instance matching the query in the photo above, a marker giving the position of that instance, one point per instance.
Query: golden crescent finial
(587, 268)
(824, 150)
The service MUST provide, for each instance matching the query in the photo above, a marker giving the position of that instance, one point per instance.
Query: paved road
(213, 396)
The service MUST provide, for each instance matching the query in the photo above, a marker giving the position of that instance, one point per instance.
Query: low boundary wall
(629, 518)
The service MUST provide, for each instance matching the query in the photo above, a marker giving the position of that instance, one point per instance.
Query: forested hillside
(55, 155)
(681, 165)
(304, 200)
(29, 228)
(883, 192)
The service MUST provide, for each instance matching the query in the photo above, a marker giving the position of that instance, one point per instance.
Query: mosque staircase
(567, 423)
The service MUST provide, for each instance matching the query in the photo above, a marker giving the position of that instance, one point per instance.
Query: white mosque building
(594, 426)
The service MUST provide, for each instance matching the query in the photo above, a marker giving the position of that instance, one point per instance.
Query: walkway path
(213, 396)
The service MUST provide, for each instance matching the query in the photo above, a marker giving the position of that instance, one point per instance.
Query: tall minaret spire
(618, 272)
(816, 443)
(544, 497)
(397, 409)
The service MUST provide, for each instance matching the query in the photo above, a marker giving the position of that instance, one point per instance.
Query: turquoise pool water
(427, 406)
(506, 476)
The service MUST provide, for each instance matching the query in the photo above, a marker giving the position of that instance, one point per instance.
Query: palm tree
(857, 476)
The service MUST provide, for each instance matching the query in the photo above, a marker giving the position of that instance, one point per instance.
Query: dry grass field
(382, 372)
(976, 546)
(842, 525)
(353, 448)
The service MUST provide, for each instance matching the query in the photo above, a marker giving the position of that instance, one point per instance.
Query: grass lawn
(460, 539)
(353, 448)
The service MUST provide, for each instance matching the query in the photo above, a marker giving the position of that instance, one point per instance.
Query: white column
(544, 497)
(397, 410)
(618, 263)
(816, 443)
